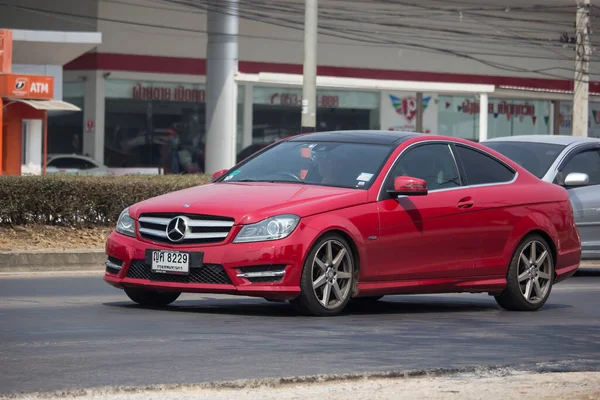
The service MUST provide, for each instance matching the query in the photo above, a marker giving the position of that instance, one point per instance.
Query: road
(68, 332)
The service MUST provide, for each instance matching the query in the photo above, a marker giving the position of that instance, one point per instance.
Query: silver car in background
(569, 161)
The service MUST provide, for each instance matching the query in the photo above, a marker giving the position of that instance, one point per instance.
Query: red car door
(432, 236)
(492, 184)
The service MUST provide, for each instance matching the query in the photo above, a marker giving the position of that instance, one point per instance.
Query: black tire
(512, 298)
(307, 302)
(151, 298)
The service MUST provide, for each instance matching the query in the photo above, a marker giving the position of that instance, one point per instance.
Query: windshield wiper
(269, 181)
(284, 181)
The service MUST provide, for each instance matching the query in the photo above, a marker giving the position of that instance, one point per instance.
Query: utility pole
(309, 85)
(582, 62)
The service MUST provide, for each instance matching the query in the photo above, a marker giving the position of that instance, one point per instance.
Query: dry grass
(52, 238)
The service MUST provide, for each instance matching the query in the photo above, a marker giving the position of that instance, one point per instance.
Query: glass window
(66, 128)
(158, 124)
(459, 116)
(349, 165)
(277, 112)
(482, 169)
(565, 118)
(432, 162)
(71, 163)
(534, 157)
(456, 117)
(587, 162)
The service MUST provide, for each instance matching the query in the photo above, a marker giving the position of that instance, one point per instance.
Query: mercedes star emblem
(176, 229)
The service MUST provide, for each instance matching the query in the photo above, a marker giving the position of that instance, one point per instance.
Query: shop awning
(268, 78)
(49, 105)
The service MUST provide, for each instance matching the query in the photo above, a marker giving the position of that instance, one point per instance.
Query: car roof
(358, 136)
(548, 139)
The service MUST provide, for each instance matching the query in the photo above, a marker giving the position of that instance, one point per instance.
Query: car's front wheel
(530, 276)
(151, 298)
(327, 277)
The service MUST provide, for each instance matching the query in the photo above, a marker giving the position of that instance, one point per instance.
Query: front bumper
(227, 268)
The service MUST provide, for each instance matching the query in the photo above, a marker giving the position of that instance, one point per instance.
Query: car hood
(249, 202)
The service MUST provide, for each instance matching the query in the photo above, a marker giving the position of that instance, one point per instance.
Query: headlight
(126, 224)
(273, 228)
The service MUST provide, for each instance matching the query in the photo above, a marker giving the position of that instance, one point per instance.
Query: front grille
(202, 229)
(208, 273)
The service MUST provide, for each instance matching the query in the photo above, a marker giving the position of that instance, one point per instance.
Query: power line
(332, 31)
(361, 36)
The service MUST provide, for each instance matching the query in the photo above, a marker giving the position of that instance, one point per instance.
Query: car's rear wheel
(530, 276)
(327, 277)
(151, 298)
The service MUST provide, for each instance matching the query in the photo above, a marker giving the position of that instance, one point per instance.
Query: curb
(282, 382)
(590, 264)
(45, 261)
(93, 260)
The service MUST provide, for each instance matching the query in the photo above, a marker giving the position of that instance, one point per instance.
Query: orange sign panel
(5, 51)
(27, 86)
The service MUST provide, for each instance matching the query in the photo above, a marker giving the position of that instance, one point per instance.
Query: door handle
(467, 202)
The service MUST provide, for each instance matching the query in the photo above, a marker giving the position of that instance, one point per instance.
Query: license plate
(170, 262)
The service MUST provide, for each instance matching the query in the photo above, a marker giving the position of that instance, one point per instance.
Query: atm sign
(27, 86)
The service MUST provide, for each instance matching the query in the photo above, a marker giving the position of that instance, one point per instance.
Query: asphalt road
(68, 332)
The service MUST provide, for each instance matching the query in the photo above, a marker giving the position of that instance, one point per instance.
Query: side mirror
(409, 186)
(575, 179)
(218, 174)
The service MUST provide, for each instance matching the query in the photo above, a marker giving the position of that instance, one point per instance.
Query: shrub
(81, 200)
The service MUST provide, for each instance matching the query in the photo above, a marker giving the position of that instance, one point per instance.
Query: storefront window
(459, 117)
(277, 112)
(565, 119)
(65, 128)
(157, 124)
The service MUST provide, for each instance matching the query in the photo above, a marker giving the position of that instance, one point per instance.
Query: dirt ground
(44, 237)
(571, 386)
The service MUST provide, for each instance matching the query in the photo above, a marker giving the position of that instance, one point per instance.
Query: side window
(587, 162)
(85, 164)
(60, 163)
(432, 162)
(481, 169)
(70, 163)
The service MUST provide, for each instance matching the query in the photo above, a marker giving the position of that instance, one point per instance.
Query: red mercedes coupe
(325, 218)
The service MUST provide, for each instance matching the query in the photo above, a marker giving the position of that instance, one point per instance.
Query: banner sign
(325, 98)
(399, 111)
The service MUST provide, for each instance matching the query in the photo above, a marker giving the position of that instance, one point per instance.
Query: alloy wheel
(534, 271)
(332, 274)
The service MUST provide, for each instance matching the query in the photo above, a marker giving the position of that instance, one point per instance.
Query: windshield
(349, 165)
(534, 157)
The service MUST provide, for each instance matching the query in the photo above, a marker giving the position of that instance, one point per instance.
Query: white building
(148, 77)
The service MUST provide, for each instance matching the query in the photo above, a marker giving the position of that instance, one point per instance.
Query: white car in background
(75, 165)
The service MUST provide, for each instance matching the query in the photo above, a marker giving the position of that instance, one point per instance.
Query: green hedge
(81, 200)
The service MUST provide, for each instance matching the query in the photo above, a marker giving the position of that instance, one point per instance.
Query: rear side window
(481, 169)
